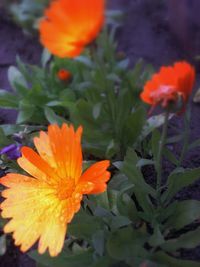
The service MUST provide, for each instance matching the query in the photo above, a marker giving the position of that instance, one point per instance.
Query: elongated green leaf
(170, 156)
(178, 180)
(16, 78)
(188, 240)
(184, 213)
(25, 113)
(152, 123)
(8, 100)
(134, 125)
(141, 189)
(52, 117)
(98, 240)
(126, 207)
(46, 56)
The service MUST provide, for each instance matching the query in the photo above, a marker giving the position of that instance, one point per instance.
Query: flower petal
(33, 164)
(98, 175)
(66, 149)
(70, 25)
(36, 213)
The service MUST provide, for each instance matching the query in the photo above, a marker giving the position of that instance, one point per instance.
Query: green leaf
(183, 213)
(170, 156)
(25, 113)
(85, 60)
(188, 241)
(67, 95)
(157, 238)
(152, 123)
(4, 141)
(98, 241)
(125, 243)
(84, 226)
(52, 117)
(144, 162)
(8, 100)
(141, 189)
(155, 143)
(96, 110)
(123, 64)
(102, 200)
(65, 259)
(169, 261)
(119, 221)
(126, 207)
(178, 180)
(46, 56)
(10, 129)
(134, 125)
(16, 78)
(111, 149)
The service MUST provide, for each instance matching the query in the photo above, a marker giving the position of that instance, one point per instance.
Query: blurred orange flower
(64, 75)
(70, 25)
(169, 84)
(41, 205)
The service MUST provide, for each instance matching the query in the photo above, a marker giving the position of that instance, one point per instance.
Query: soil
(158, 31)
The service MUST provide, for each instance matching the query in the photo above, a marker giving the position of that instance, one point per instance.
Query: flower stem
(185, 139)
(159, 158)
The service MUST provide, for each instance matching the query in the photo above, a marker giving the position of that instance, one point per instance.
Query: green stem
(159, 158)
(185, 140)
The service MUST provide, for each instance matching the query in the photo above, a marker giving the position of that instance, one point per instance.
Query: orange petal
(98, 175)
(70, 25)
(43, 147)
(66, 149)
(33, 164)
(177, 79)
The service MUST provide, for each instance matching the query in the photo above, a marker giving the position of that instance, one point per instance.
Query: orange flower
(41, 205)
(70, 25)
(169, 84)
(64, 75)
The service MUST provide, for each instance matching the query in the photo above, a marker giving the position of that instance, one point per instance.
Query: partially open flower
(42, 203)
(64, 75)
(170, 87)
(70, 25)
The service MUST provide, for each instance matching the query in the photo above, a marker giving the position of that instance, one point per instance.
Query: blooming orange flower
(70, 25)
(169, 84)
(41, 205)
(64, 75)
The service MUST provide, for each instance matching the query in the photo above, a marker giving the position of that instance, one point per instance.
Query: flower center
(164, 95)
(65, 188)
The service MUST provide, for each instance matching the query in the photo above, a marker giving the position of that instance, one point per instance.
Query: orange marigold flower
(41, 205)
(64, 75)
(170, 84)
(70, 25)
